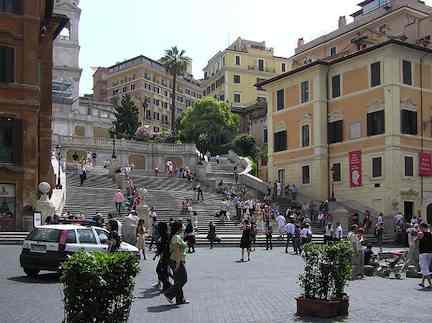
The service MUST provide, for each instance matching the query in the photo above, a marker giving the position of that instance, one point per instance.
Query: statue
(44, 205)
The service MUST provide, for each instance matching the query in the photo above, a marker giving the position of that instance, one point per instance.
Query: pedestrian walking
(155, 233)
(245, 242)
(338, 232)
(367, 222)
(425, 254)
(83, 175)
(189, 236)
(278, 188)
(294, 192)
(140, 237)
(328, 234)
(297, 240)
(269, 235)
(413, 244)
(253, 235)
(163, 252)
(178, 264)
(211, 235)
(290, 230)
(118, 200)
(114, 240)
(199, 192)
(379, 232)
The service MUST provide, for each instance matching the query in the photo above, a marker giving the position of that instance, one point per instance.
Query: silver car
(48, 246)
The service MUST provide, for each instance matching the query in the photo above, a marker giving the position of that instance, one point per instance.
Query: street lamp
(59, 157)
(332, 170)
(114, 147)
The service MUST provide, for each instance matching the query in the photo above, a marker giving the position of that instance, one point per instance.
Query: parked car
(48, 246)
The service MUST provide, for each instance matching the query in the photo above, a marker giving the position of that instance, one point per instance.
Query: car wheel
(32, 273)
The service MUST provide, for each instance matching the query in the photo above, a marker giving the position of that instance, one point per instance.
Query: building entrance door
(7, 207)
(408, 210)
(429, 214)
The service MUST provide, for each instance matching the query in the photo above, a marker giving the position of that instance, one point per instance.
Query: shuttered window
(280, 141)
(305, 136)
(335, 132)
(375, 74)
(280, 100)
(10, 140)
(409, 166)
(11, 6)
(408, 122)
(375, 123)
(407, 72)
(306, 175)
(336, 86)
(377, 167)
(7, 64)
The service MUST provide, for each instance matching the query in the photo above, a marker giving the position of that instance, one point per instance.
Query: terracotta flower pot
(322, 308)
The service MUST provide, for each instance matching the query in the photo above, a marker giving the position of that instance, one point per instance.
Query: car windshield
(44, 235)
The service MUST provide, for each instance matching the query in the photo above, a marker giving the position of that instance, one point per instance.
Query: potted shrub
(98, 287)
(326, 274)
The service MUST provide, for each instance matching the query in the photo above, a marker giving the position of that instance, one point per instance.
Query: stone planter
(322, 308)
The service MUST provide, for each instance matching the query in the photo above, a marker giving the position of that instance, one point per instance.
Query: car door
(102, 236)
(87, 239)
(71, 241)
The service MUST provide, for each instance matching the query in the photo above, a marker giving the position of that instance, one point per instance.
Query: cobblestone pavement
(221, 290)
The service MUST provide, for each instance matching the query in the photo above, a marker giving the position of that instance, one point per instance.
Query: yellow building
(231, 74)
(354, 114)
(149, 83)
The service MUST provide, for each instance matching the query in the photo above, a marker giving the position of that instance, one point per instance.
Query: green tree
(176, 62)
(126, 114)
(211, 117)
(245, 145)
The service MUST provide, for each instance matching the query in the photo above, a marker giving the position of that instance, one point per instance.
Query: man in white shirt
(279, 188)
(338, 232)
(281, 221)
(290, 230)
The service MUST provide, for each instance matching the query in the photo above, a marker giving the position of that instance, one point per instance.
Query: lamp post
(333, 198)
(59, 157)
(114, 147)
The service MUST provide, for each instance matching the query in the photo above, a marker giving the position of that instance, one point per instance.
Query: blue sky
(115, 30)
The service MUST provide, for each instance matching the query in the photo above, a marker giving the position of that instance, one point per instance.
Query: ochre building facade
(356, 121)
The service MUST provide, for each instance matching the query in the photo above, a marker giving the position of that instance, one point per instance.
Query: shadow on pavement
(52, 278)
(149, 293)
(161, 308)
(428, 289)
(308, 319)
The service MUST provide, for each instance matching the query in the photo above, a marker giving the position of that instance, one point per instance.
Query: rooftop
(371, 10)
(343, 58)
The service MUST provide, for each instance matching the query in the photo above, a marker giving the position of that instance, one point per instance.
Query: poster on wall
(355, 168)
(425, 164)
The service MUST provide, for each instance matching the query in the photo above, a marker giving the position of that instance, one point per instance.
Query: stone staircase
(165, 194)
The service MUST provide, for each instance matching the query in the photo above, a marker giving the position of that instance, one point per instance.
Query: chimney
(342, 21)
(300, 42)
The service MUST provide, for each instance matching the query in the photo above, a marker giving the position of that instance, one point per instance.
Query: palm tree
(176, 62)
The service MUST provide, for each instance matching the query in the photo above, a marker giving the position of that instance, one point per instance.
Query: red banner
(355, 168)
(425, 164)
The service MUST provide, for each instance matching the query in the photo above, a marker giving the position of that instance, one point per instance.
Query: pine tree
(126, 114)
